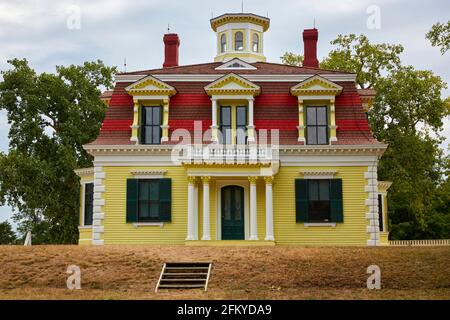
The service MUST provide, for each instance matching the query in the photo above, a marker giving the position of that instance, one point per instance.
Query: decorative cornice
(148, 172)
(83, 172)
(245, 87)
(160, 88)
(240, 17)
(323, 172)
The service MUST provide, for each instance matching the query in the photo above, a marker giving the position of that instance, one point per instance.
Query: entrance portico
(232, 204)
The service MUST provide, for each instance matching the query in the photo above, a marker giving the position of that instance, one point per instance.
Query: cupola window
(238, 41)
(255, 46)
(223, 43)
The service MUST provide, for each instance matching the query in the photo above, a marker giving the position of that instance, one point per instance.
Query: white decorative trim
(319, 224)
(372, 229)
(148, 174)
(84, 228)
(98, 242)
(318, 174)
(83, 172)
(148, 224)
(98, 216)
(250, 77)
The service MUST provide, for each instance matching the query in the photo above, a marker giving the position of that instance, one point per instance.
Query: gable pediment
(316, 85)
(232, 84)
(149, 86)
(236, 64)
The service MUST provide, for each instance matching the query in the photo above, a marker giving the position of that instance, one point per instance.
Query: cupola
(240, 35)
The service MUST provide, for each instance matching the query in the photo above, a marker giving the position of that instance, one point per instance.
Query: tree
(7, 235)
(439, 36)
(292, 59)
(407, 114)
(51, 117)
(356, 54)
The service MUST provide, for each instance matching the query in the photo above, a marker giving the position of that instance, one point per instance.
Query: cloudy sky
(49, 33)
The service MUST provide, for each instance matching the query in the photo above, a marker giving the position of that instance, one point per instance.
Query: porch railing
(419, 243)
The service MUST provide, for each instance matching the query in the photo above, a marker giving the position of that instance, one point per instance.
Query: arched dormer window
(238, 41)
(223, 43)
(255, 46)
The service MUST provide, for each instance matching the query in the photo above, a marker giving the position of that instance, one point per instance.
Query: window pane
(321, 115)
(154, 190)
(311, 134)
(223, 43)
(88, 203)
(226, 194)
(313, 190)
(255, 42)
(148, 134)
(226, 135)
(324, 190)
(156, 134)
(225, 116)
(310, 116)
(319, 211)
(154, 210)
(238, 41)
(148, 115)
(156, 115)
(143, 190)
(143, 209)
(322, 135)
(241, 116)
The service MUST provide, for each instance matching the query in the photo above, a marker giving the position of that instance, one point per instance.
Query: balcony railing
(219, 153)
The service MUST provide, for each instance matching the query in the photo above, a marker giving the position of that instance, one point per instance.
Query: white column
(206, 224)
(251, 126)
(191, 209)
(214, 120)
(269, 209)
(253, 214)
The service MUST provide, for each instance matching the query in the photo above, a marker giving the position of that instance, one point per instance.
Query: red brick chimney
(171, 44)
(310, 37)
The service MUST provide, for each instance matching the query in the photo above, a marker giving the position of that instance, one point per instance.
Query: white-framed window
(238, 41)
(223, 43)
(255, 42)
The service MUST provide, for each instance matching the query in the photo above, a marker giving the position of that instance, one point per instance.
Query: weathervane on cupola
(240, 35)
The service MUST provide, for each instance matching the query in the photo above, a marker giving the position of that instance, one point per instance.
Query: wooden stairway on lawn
(184, 275)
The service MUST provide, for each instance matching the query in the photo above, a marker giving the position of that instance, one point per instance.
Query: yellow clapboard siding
(286, 230)
(351, 232)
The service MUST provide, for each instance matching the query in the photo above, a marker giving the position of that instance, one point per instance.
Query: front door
(232, 198)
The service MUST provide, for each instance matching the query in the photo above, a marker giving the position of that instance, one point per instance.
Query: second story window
(233, 124)
(151, 125)
(239, 41)
(255, 46)
(316, 125)
(223, 43)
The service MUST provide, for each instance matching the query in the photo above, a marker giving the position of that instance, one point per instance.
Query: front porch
(230, 205)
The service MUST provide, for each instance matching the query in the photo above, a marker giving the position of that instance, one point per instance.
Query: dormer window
(239, 41)
(316, 125)
(151, 125)
(223, 43)
(255, 46)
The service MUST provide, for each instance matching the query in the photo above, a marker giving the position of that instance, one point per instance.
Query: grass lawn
(131, 272)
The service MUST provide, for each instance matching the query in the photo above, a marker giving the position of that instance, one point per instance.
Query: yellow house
(237, 151)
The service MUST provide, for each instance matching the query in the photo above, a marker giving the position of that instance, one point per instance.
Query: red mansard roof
(274, 108)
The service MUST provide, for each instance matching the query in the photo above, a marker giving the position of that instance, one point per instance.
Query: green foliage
(51, 117)
(292, 59)
(407, 114)
(439, 36)
(7, 235)
(356, 54)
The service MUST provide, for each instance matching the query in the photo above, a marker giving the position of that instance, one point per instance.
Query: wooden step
(184, 275)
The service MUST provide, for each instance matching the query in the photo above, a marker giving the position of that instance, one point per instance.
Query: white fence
(419, 243)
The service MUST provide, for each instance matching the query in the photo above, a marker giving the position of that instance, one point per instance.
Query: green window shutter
(336, 207)
(132, 196)
(165, 199)
(301, 200)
